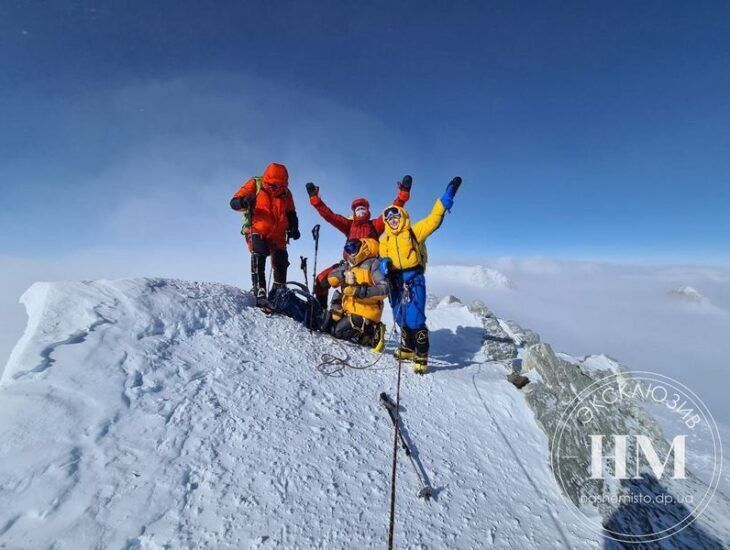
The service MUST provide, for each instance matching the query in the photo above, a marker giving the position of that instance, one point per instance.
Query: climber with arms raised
(404, 257)
(358, 226)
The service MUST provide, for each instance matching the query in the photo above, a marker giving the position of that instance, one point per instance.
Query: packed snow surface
(166, 414)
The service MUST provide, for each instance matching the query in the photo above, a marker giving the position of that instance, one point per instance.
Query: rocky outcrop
(629, 506)
(480, 309)
(448, 300)
(524, 336)
(498, 345)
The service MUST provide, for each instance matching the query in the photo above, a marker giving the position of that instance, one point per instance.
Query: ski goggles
(361, 212)
(275, 187)
(391, 213)
(352, 247)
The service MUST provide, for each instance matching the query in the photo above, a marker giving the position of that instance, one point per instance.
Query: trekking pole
(315, 236)
(303, 267)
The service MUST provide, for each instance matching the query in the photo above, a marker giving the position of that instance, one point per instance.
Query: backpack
(247, 216)
(420, 249)
(297, 302)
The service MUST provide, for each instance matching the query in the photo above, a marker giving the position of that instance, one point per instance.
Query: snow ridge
(159, 413)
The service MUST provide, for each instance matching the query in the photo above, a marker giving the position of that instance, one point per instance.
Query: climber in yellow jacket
(403, 253)
(356, 311)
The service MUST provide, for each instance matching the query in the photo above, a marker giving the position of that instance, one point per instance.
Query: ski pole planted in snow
(426, 491)
(315, 236)
(303, 267)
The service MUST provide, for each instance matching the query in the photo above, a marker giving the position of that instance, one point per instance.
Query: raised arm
(433, 221)
(404, 191)
(339, 222)
(430, 223)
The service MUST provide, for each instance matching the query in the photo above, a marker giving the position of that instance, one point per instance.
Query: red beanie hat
(360, 202)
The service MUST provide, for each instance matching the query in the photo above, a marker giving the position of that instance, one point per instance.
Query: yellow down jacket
(365, 269)
(405, 246)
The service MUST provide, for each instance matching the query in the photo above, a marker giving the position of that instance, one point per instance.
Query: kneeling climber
(357, 309)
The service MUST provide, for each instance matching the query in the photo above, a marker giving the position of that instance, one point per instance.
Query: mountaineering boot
(258, 277)
(379, 338)
(404, 354)
(275, 288)
(420, 364)
(260, 294)
(420, 339)
(405, 351)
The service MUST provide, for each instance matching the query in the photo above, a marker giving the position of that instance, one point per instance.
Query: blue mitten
(447, 198)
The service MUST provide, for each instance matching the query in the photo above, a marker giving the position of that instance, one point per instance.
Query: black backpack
(295, 301)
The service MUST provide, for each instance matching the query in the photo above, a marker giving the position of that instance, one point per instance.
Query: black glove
(239, 203)
(405, 185)
(293, 233)
(312, 189)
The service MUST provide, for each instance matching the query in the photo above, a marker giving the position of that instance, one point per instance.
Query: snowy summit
(166, 414)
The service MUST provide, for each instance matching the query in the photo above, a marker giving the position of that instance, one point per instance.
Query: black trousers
(260, 249)
(354, 327)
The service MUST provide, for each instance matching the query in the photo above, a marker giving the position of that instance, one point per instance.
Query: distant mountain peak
(687, 293)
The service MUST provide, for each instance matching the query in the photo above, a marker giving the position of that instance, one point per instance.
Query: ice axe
(315, 236)
(303, 267)
(426, 491)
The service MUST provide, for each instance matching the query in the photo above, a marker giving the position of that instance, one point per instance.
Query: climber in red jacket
(358, 226)
(269, 221)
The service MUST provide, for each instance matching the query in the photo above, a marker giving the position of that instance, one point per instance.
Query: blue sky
(581, 129)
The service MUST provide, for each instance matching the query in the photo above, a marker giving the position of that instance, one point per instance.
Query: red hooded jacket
(273, 207)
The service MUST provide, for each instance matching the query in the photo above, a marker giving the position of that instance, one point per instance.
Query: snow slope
(161, 413)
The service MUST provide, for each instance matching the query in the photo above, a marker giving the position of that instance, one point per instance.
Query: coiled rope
(333, 365)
